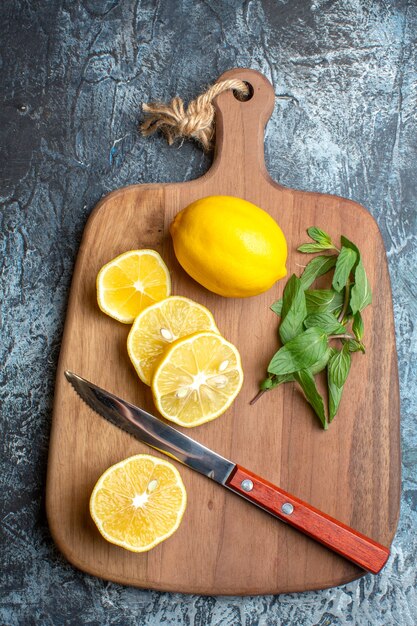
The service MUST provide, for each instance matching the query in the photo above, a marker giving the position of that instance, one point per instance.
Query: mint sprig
(312, 320)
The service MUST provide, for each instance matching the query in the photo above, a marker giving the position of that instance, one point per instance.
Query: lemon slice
(197, 379)
(161, 324)
(131, 282)
(138, 502)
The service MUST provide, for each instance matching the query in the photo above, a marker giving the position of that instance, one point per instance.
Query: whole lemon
(229, 245)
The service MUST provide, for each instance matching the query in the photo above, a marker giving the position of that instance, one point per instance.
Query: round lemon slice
(160, 325)
(131, 282)
(138, 502)
(197, 379)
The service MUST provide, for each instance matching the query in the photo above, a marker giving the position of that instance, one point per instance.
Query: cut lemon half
(138, 502)
(160, 325)
(131, 282)
(197, 379)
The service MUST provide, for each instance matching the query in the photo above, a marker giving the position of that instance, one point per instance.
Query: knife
(335, 535)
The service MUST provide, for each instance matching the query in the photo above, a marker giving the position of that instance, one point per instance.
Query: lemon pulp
(160, 325)
(132, 281)
(138, 502)
(197, 379)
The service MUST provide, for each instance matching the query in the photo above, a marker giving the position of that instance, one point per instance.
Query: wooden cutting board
(352, 472)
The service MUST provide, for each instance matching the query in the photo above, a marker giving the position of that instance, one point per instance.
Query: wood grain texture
(352, 471)
(344, 540)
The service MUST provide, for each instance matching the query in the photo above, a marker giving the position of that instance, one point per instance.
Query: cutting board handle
(240, 127)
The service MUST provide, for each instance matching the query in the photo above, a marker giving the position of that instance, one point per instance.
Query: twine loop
(196, 121)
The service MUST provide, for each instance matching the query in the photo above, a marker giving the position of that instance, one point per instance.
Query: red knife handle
(333, 534)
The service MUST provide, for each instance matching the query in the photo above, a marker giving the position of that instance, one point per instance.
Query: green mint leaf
(339, 366)
(346, 243)
(323, 301)
(299, 353)
(313, 247)
(320, 236)
(360, 294)
(357, 326)
(317, 267)
(344, 264)
(290, 295)
(294, 310)
(321, 363)
(273, 381)
(334, 392)
(335, 395)
(307, 383)
(355, 346)
(325, 321)
(277, 307)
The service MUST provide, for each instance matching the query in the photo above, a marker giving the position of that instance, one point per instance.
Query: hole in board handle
(241, 97)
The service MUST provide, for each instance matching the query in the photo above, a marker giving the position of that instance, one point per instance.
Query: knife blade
(335, 535)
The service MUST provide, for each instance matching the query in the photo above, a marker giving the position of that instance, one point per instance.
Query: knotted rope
(196, 121)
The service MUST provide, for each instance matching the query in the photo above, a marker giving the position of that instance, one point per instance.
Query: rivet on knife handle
(333, 534)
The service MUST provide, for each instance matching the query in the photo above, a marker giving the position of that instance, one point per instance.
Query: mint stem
(258, 395)
(345, 336)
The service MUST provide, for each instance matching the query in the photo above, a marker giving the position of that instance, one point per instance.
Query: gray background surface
(73, 77)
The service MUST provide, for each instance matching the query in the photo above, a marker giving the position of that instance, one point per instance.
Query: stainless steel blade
(151, 430)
